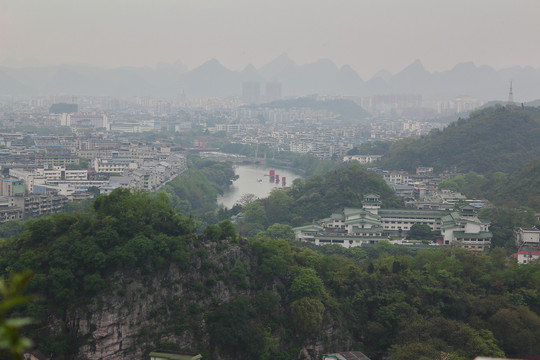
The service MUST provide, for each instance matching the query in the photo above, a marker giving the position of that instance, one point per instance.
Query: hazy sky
(369, 35)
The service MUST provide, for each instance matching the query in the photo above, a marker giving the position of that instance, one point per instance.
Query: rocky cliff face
(143, 312)
(175, 308)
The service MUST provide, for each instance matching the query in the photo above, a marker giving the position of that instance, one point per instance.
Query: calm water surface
(247, 183)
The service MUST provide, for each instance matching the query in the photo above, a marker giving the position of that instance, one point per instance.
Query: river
(253, 179)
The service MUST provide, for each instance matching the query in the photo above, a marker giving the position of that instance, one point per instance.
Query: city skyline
(369, 36)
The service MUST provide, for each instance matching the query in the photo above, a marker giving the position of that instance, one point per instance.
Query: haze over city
(367, 35)
(286, 179)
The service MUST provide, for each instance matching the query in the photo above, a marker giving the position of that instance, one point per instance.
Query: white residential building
(84, 121)
(362, 159)
(114, 165)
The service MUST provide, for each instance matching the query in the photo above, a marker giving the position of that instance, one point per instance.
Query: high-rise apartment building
(251, 92)
(273, 91)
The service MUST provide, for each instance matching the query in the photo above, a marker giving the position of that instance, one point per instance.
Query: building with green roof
(368, 225)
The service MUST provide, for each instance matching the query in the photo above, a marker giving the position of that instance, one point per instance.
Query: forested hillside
(499, 138)
(518, 189)
(131, 276)
(317, 197)
(521, 188)
(197, 189)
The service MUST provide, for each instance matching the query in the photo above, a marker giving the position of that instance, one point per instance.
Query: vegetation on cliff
(197, 188)
(135, 259)
(73, 256)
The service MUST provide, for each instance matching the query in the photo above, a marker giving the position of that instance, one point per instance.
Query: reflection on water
(255, 180)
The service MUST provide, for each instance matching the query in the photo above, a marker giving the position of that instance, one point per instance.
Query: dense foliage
(72, 256)
(198, 187)
(521, 188)
(371, 148)
(280, 299)
(308, 164)
(12, 343)
(495, 139)
(316, 197)
(330, 192)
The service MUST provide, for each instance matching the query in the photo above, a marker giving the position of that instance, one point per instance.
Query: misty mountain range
(212, 79)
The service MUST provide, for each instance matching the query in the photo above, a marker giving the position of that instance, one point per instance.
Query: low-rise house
(346, 355)
(34, 355)
(526, 254)
(167, 355)
(528, 242)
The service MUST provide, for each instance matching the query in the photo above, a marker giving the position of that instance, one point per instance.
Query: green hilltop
(495, 139)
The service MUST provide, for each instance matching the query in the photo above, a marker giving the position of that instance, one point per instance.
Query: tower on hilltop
(510, 95)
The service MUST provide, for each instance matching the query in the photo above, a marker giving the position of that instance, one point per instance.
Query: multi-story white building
(114, 165)
(397, 177)
(354, 227)
(151, 175)
(60, 173)
(301, 147)
(133, 127)
(465, 229)
(362, 159)
(84, 121)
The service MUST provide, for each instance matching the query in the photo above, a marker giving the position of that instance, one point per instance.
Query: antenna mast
(511, 95)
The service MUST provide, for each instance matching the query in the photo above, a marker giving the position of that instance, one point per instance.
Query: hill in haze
(323, 76)
(495, 139)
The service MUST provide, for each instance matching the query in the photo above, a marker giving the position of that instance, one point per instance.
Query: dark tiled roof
(350, 355)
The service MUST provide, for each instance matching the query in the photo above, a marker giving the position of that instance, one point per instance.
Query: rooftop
(173, 356)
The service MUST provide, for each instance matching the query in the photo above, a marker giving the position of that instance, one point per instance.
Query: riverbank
(248, 182)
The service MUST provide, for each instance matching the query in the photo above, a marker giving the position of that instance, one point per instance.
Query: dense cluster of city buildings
(43, 172)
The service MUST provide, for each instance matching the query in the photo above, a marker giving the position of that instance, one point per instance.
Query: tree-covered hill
(518, 189)
(499, 138)
(197, 188)
(317, 197)
(521, 188)
(131, 276)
